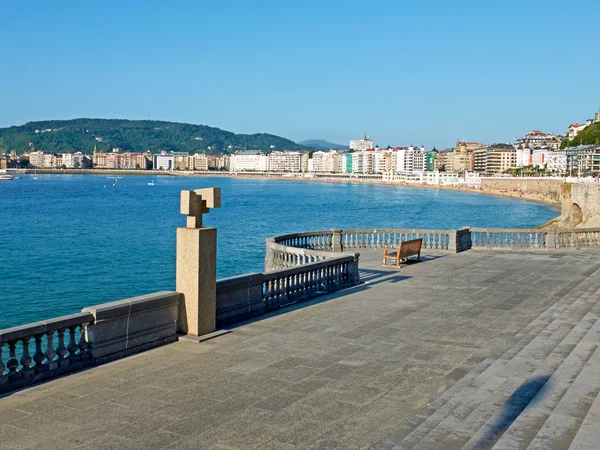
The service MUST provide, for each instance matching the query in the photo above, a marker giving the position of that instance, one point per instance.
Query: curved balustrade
(53, 346)
(577, 238)
(383, 238)
(244, 296)
(313, 240)
(488, 238)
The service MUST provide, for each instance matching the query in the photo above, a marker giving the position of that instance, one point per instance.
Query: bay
(72, 241)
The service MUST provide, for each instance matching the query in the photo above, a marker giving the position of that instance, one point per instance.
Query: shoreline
(514, 194)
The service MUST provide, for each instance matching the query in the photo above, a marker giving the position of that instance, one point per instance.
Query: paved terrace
(469, 350)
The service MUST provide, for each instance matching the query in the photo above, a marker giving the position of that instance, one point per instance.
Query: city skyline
(408, 75)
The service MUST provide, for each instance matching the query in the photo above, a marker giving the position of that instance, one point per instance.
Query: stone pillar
(551, 240)
(196, 276)
(269, 255)
(336, 240)
(353, 269)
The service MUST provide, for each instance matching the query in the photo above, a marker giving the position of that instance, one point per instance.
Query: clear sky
(404, 72)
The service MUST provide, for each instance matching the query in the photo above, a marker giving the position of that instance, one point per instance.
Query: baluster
(50, 353)
(38, 355)
(72, 347)
(26, 359)
(2, 366)
(61, 350)
(13, 362)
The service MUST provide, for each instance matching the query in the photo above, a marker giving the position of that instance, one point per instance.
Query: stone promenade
(474, 350)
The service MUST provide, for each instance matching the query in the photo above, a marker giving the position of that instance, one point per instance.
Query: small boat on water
(151, 183)
(6, 177)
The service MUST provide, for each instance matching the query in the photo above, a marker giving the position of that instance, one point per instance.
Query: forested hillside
(132, 135)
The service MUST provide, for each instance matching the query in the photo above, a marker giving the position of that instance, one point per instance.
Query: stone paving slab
(341, 371)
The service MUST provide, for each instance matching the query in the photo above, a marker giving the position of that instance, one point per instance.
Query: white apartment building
(248, 161)
(557, 161)
(325, 162)
(538, 139)
(287, 162)
(74, 160)
(163, 161)
(523, 157)
(357, 162)
(382, 161)
(361, 144)
(410, 160)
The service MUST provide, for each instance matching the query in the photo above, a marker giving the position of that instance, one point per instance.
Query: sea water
(72, 241)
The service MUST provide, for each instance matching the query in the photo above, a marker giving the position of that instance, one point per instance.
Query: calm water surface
(71, 241)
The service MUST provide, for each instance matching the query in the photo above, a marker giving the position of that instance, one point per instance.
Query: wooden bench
(404, 250)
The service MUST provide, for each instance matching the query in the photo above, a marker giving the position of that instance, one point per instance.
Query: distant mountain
(133, 135)
(322, 144)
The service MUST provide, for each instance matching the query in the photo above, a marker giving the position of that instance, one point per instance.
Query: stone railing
(102, 333)
(313, 240)
(296, 249)
(52, 358)
(576, 238)
(384, 238)
(550, 239)
(245, 296)
(282, 250)
(507, 238)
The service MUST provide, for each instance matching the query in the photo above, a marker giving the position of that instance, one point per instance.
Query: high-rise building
(361, 144)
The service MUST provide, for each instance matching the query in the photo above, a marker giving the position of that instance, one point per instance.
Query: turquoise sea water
(71, 241)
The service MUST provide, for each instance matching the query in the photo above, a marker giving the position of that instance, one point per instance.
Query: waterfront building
(463, 155)
(538, 139)
(181, 160)
(430, 158)
(357, 162)
(499, 158)
(437, 178)
(444, 160)
(218, 162)
(42, 160)
(292, 162)
(556, 162)
(326, 161)
(523, 156)
(248, 161)
(163, 161)
(588, 160)
(410, 160)
(75, 161)
(539, 157)
(361, 144)
(198, 161)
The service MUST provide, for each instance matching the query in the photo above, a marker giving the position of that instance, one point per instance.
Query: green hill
(132, 135)
(589, 136)
(322, 144)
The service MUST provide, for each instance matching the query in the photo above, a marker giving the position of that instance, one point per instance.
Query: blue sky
(405, 72)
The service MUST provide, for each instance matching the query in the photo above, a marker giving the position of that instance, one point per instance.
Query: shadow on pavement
(512, 408)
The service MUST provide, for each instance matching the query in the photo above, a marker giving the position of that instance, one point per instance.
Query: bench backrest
(410, 247)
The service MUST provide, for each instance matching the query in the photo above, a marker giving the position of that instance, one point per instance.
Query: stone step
(457, 403)
(587, 435)
(459, 430)
(560, 429)
(516, 421)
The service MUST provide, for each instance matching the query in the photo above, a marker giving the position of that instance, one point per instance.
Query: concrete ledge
(46, 326)
(128, 326)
